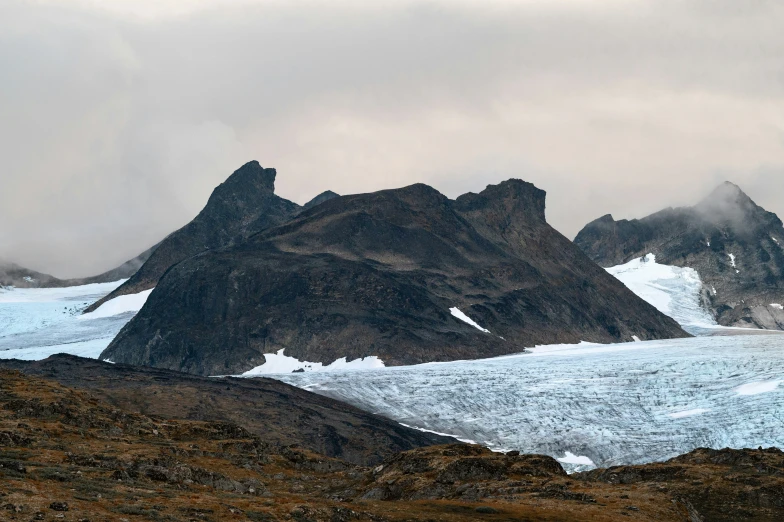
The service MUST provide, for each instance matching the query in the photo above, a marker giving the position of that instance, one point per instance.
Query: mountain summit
(406, 275)
(733, 243)
(239, 207)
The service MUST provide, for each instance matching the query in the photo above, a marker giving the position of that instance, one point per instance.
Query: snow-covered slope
(38, 322)
(614, 404)
(673, 290)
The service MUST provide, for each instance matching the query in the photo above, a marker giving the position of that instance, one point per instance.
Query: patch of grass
(149, 513)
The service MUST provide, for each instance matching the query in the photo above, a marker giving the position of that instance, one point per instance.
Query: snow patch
(687, 413)
(29, 279)
(571, 458)
(279, 363)
(635, 339)
(119, 305)
(463, 317)
(777, 306)
(755, 388)
(423, 430)
(732, 262)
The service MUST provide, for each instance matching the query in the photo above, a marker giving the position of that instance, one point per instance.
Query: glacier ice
(38, 322)
(613, 404)
(674, 291)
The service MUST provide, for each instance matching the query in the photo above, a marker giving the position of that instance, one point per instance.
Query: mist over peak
(729, 205)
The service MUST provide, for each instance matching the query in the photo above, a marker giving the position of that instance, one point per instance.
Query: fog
(118, 122)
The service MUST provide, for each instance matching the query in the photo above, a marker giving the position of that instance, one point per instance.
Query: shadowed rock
(279, 413)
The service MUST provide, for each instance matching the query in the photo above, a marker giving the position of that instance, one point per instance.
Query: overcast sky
(116, 123)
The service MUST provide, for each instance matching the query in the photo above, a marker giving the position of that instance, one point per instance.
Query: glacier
(38, 322)
(612, 404)
(674, 291)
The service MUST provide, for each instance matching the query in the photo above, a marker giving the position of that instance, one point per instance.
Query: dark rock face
(279, 413)
(239, 207)
(377, 274)
(727, 228)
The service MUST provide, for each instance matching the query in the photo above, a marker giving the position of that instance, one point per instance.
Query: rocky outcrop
(710, 484)
(734, 244)
(281, 414)
(377, 274)
(239, 207)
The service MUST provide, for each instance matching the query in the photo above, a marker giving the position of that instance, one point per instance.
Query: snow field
(38, 322)
(672, 290)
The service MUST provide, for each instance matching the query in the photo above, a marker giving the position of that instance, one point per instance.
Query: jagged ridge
(377, 274)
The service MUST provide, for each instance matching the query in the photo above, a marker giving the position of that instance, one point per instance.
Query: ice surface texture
(674, 291)
(38, 322)
(615, 404)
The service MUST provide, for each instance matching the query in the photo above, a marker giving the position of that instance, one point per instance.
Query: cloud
(118, 121)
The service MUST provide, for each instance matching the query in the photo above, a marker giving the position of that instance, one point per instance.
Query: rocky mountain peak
(239, 207)
(735, 245)
(321, 198)
(247, 181)
(729, 204)
(513, 197)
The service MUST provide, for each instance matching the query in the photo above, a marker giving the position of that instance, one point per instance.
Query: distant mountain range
(12, 274)
(734, 244)
(406, 275)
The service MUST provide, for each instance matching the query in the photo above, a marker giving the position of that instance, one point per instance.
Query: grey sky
(115, 124)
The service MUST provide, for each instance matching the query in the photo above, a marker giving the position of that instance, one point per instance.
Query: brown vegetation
(66, 455)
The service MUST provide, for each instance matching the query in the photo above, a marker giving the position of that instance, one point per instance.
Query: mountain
(398, 274)
(321, 198)
(280, 413)
(734, 244)
(12, 274)
(239, 207)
